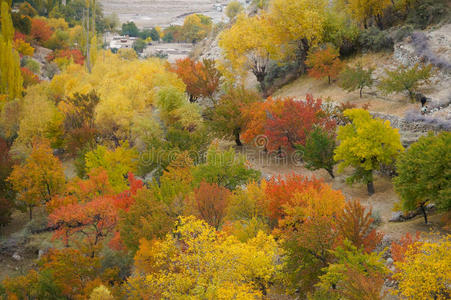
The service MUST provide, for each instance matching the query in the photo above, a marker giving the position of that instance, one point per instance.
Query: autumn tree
(10, 75)
(287, 124)
(309, 231)
(364, 11)
(227, 117)
(209, 202)
(224, 168)
(39, 178)
(424, 272)
(40, 30)
(398, 249)
(247, 47)
(424, 174)
(405, 79)
(357, 78)
(297, 26)
(357, 226)
(200, 77)
(117, 162)
(7, 194)
(365, 144)
(279, 192)
(93, 220)
(207, 265)
(354, 275)
(196, 27)
(324, 63)
(318, 152)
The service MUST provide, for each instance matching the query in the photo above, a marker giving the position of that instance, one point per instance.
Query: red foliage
(29, 78)
(73, 54)
(355, 225)
(210, 202)
(124, 200)
(279, 192)
(201, 78)
(324, 63)
(19, 36)
(398, 249)
(285, 122)
(41, 32)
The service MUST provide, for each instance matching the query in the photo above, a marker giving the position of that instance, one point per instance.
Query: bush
(280, 74)
(376, 40)
(31, 64)
(427, 12)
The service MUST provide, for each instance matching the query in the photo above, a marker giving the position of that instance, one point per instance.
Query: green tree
(424, 173)
(233, 9)
(227, 117)
(10, 76)
(357, 78)
(139, 45)
(406, 79)
(225, 169)
(365, 144)
(130, 29)
(318, 152)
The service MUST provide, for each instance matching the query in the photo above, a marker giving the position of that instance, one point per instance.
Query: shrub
(31, 64)
(427, 12)
(40, 31)
(376, 40)
(29, 78)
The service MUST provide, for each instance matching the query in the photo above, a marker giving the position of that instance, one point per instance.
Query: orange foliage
(280, 192)
(41, 32)
(355, 225)
(398, 249)
(210, 202)
(29, 78)
(285, 123)
(324, 63)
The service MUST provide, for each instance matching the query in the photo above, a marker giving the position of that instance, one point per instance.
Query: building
(121, 42)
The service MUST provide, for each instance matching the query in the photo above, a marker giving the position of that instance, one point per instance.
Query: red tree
(201, 78)
(210, 202)
(73, 54)
(41, 32)
(398, 249)
(280, 192)
(355, 224)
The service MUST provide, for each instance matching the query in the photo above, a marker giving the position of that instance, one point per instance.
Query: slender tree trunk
(331, 172)
(329, 79)
(370, 187)
(237, 137)
(361, 92)
(423, 210)
(30, 211)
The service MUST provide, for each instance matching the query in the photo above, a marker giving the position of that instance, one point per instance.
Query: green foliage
(405, 79)
(130, 29)
(139, 45)
(340, 32)
(318, 152)
(354, 275)
(427, 12)
(31, 64)
(227, 117)
(424, 173)
(376, 40)
(357, 78)
(365, 144)
(233, 9)
(118, 163)
(225, 168)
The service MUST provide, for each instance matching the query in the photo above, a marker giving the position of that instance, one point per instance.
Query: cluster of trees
(311, 36)
(195, 28)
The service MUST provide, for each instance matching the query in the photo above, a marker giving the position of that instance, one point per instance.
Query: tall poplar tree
(10, 76)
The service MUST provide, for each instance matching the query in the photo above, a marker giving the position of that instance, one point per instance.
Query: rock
(390, 261)
(17, 257)
(397, 217)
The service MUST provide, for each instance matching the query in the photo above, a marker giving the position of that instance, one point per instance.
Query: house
(120, 42)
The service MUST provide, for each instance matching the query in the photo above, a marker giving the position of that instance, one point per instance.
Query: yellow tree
(296, 25)
(10, 75)
(195, 261)
(247, 46)
(362, 11)
(425, 273)
(40, 178)
(365, 144)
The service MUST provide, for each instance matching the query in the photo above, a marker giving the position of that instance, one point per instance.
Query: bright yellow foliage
(293, 20)
(362, 10)
(196, 262)
(125, 87)
(426, 271)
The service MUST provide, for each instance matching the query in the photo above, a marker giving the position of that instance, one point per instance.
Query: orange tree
(38, 179)
(324, 63)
